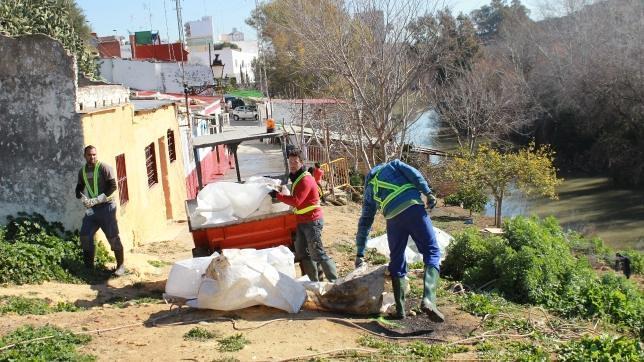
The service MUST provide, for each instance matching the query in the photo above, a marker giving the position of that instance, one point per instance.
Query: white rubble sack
(226, 201)
(412, 255)
(242, 278)
(185, 276)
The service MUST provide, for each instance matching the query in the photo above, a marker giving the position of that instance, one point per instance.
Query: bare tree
(365, 52)
(484, 104)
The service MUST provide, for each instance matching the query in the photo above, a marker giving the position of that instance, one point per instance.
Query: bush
(602, 348)
(24, 306)
(60, 347)
(472, 199)
(533, 263)
(33, 250)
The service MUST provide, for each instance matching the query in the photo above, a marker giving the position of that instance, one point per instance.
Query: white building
(233, 36)
(199, 35)
(164, 77)
(238, 64)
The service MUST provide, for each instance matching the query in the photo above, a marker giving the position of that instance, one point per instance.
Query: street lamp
(217, 67)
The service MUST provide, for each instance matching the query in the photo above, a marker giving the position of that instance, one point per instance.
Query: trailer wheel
(199, 252)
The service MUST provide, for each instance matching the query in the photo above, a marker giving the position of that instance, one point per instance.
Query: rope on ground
(331, 352)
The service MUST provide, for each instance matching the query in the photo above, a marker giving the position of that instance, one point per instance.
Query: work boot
(309, 268)
(329, 270)
(399, 285)
(428, 304)
(320, 272)
(89, 251)
(120, 266)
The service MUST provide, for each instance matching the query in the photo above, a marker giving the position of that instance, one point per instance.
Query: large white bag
(412, 255)
(185, 276)
(242, 278)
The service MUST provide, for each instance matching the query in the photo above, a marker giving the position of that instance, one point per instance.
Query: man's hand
(85, 200)
(359, 261)
(101, 199)
(431, 201)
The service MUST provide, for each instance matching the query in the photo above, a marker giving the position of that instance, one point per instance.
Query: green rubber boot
(328, 266)
(428, 304)
(399, 285)
(309, 268)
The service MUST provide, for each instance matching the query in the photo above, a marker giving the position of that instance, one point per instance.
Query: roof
(149, 104)
(308, 101)
(232, 135)
(198, 104)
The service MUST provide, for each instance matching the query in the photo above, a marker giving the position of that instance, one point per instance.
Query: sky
(120, 17)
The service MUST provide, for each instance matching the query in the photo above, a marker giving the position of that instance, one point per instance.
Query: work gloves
(431, 201)
(100, 199)
(359, 261)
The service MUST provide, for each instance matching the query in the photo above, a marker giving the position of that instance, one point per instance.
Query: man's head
(90, 155)
(317, 165)
(295, 161)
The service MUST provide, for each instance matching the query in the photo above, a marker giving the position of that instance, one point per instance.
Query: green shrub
(23, 306)
(33, 250)
(481, 304)
(233, 343)
(473, 199)
(199, 334)
(470, 257)
(416, 349)
(533, 263)
(602, 348)
(60, 347)
(375, 258)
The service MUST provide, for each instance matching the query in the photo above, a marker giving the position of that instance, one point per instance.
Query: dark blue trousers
(413, 222)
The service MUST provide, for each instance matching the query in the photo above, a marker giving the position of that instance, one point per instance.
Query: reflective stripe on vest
(92, 193)
(308, 208)
(395, 190)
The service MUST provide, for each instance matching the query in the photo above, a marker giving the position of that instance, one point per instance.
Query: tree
(491, 19)
(61, 19)
(363, 53)
(487, 103)
(530, 169)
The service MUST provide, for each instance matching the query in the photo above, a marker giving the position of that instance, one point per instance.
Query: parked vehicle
(256, 231)
(234, 101)
(245, 112)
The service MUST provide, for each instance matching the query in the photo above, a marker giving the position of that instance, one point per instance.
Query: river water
(590, 205)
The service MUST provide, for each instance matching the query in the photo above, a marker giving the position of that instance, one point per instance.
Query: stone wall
(41, 140)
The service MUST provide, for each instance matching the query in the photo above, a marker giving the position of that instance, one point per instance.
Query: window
(171, 150)
(151, 165)
(121, 178)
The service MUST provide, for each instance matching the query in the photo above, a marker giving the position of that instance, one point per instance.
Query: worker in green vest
(97, 180)
(395, 188)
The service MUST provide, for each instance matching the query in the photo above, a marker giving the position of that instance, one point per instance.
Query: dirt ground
(152, 331)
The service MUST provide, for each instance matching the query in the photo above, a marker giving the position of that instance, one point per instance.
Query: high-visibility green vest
(92, 192)
(308, 208)
(395, 190)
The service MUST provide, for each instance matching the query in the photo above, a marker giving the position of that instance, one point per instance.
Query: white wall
(199, 28)
(163, 77)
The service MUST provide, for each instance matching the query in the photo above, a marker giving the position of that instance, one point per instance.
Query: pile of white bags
(239, 278)
(219, 202)
(412, 255)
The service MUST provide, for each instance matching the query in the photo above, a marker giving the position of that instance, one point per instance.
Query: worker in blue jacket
(395, 188)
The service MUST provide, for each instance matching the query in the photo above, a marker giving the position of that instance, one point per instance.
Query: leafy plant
(432, 352)
(602, 348)
(199, 334)
(60, 346)
(375, 258)
(158, 263)
(33, 250)
(23, 306)
(60, 19)
(471, 198)
(233, 343)
(481, 304)
(533, 263)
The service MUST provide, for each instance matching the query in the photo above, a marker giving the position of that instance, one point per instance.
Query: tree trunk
(497, 211)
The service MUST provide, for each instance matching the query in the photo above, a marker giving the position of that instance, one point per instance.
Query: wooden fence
(336, 174)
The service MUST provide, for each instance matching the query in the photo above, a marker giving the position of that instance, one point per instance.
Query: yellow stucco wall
(120, 130)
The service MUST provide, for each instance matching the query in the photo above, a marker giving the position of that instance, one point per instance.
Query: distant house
(47, 117)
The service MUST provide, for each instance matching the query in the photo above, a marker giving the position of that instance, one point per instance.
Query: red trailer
(258, 230)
